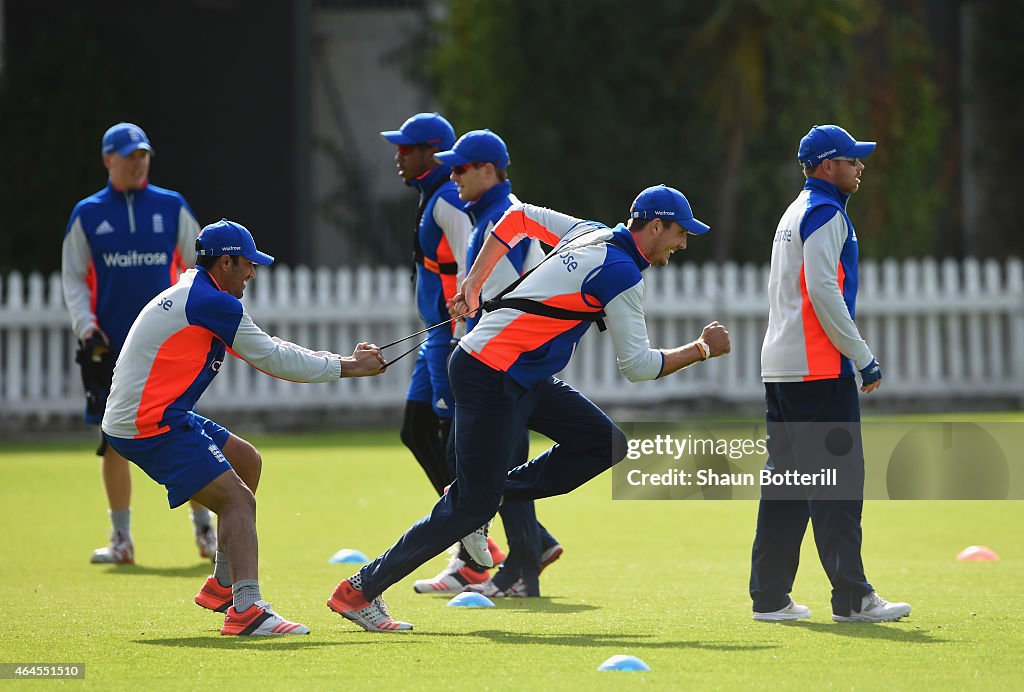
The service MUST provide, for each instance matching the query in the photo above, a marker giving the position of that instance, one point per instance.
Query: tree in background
(56, 101)
(599, 99)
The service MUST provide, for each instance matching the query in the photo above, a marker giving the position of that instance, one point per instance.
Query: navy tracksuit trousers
(796, 413)
(491, 411)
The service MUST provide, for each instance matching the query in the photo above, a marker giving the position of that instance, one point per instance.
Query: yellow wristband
(703, 349)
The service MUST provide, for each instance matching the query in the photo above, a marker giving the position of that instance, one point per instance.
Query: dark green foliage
(56, 101)
(600, 99)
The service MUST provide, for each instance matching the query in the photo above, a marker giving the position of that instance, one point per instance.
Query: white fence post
(941, 329)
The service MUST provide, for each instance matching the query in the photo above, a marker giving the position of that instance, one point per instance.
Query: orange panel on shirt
(177, 364)
(517, 223)
(823, 359)
(528, 332)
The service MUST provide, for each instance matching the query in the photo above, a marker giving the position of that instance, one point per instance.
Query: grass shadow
(200, 569)
(599, 640)
(215, 641)
(540, 604)
(890, 631)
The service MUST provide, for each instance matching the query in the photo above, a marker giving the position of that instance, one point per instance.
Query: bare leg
(117, 479)
(235, 506)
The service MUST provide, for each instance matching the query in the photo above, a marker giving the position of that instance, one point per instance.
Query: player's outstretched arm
(366, 360)
(714, 341)
(467, 300)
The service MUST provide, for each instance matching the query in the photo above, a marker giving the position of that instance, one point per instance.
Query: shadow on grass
(542, 604)
(890, 631)
(200, 569)
(602, 640)
(215, 641)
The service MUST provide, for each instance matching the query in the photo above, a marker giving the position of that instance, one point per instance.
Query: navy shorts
(184, 460)
(429, 382)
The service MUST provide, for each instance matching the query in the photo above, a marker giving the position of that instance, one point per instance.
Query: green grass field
(665, 581)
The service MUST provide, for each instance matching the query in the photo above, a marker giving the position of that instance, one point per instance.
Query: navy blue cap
(828, 141)
(229, 238)
(476, 146)
(423, 128)
(123, 139)
(664, 202)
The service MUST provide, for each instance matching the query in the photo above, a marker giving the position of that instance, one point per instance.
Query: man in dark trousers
(811, 354)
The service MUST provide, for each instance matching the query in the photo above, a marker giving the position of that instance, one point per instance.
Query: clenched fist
(717, 339)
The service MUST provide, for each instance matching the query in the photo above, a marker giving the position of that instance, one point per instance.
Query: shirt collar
(500, 191)
(625, 240)
(430, 178)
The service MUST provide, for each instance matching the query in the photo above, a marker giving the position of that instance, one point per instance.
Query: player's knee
(619, 445)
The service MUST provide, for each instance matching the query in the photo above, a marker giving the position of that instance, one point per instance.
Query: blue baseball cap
(229, 238)
(423, 128)
(123, 139)
(476, 146)
(828, 141)
(664, 202)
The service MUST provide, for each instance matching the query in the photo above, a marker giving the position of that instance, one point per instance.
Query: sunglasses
(462, 168)
(846, 158)
(406, 149)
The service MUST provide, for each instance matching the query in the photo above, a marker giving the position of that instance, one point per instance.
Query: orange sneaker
(372, 616)
(259, 620)
(497, 554)
(214, 597)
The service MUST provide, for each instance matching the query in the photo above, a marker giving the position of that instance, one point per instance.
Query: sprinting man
(502, 375)
(171, 355)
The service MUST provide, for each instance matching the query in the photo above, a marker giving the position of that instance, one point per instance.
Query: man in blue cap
(174, 350)
(479, 162)
(122, 246)
(439, 254)
(502, 375)
(811, 355)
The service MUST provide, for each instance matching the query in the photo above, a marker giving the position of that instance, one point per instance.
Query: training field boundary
(949, 329)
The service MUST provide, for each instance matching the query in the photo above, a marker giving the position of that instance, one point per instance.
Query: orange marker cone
(977, 553)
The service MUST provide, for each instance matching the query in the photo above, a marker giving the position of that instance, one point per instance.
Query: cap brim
(396, 137)
(694, 226)
(132, 146)
(861, 150)
(259, 258)
(451, 158)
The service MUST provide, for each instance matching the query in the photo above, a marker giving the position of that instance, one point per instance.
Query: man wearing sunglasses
(809, 360)
(439, 252)
(479, 162)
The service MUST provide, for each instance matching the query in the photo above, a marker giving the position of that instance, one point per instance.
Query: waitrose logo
(135, 259)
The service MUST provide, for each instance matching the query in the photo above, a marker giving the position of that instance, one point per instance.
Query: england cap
(828, 141)
(664, 202)
(423, 128)
(123, 139)
(476, 146)
(229, 238)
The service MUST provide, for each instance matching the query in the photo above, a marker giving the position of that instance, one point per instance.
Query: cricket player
(811, 354)
(502, 375)
(172, 353)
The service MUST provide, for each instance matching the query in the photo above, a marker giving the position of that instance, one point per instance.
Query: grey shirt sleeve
(75, 259)
(821, 273)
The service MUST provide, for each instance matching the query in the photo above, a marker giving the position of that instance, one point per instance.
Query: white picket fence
(943, 331)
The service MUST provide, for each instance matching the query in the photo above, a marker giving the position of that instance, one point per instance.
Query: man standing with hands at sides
(503, 370)
(439, 255)
(479, 163)
(811, 354)
(123, 245)
(173, 351)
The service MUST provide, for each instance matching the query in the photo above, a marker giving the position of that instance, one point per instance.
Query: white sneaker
(206, 541)
(874, 608)
(120, 551)
(452, 579)
(793, 611)
(476, 545)
(489, 589)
